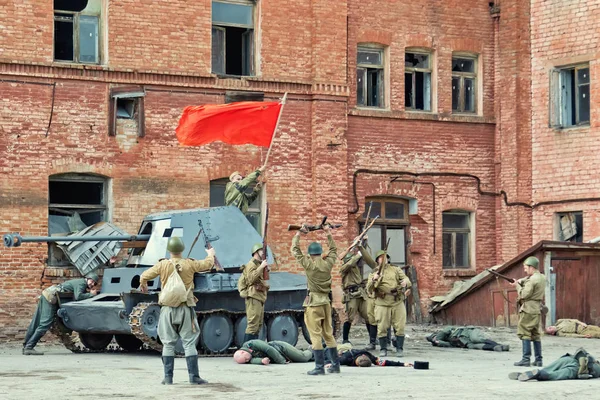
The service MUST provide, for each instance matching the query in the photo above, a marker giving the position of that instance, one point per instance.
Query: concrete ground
(453, 374)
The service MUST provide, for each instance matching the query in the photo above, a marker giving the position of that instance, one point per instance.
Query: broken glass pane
(63, 37)
(455, 93)
(416, 60)
(361, 76)
(371, 57)
(469, 95)
(408, 90)
(232, 14)
(88, 39)
(463, 65)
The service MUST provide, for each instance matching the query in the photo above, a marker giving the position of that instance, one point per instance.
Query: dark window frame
(461, 76)
(76, 17)
(453, 232)
(366, 72)
(413, 72)
(134, 93)
(557, 103)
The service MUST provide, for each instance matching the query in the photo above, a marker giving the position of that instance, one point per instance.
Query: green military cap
(532, 262)
(233, 175)
(256, 247)
(314, 249)
(379, 253)
(175, 245)
(93, 276)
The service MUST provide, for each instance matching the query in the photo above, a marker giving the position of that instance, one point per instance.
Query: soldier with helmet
(531, 291)
(386, 283)
(48, 305)
(235, 191)
(178, 320)
(317, 314)
(256, 292)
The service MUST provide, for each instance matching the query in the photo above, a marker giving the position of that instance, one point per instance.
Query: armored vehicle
(121, 312)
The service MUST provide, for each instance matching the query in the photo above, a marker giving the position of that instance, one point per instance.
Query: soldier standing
(48, 304)
(235, 191)
(256, 292)
(386, 284)
(531, 293)
(178, 321)
(317, 314)
(355, 297)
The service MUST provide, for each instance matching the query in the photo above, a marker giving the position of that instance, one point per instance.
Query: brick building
(428, 109)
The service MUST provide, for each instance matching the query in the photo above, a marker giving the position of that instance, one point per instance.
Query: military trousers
(319, 323)
(564, 368)
(255, 314)
(291, 353)
(592, 330)
(392, 316)
(354, 307)
(529, 326)
(175, 323)
(41, 322)
(371, 311)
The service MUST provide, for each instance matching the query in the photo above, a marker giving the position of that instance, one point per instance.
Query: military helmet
(175, 245)
(315, 249)
(532, 262)
(379, 253)
(93, 276)
(256, 248)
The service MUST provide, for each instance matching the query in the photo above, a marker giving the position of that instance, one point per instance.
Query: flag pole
(275, 130)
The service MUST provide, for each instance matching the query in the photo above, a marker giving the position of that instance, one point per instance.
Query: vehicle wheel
(216, 333)
(284, 328)
(240, 331)
(129, 342)
(95, 341)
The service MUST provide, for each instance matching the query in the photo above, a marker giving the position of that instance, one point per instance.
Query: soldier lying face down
(278, 352)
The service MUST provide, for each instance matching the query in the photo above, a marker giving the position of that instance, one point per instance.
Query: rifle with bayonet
(312, 228)
(499, 275)
(207, 245)
(363, 241)
(266, 275)
(358, 239)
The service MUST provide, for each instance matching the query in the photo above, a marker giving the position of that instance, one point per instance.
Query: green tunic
(235, 192)
(277, 351)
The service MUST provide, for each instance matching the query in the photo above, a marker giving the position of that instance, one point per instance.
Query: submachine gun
(207, 244)
(312, 228)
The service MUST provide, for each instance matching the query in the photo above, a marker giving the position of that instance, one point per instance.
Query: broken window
(464, 84)
(75, 202)
(76, 31)
(233, 37)
(217, 199)
(456, 239)
(127, 110)
(417, 81)
(369, 77)
(570, 96)
(570, 226)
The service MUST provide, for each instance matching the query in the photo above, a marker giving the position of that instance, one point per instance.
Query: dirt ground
(453, 374)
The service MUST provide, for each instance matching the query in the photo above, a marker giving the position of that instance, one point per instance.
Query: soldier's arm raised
(332, 253)
(206, 264)
(297, 253)
(351, 262)
(367, 257)
(249, 179)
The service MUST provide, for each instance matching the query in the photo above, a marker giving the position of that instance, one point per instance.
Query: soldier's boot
(383, 341)
(529, 375)
(537, 350)
(319, 363)
(390, 341)
(169, 365)
(250, 336)
(514, 375)
(399, 346)
(372, 329)
(335, 362)
(505, 347)
(346, 332)
(32, 352)
(192, 365)
(525, 361)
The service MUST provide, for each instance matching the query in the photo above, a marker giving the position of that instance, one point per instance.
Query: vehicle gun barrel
(15, 239)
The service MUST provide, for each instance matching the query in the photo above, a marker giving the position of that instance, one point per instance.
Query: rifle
(312, 228)
(358, 239)
(265, 249)
(499, 275)
(362, 241)
(207, 245)
(380, 269)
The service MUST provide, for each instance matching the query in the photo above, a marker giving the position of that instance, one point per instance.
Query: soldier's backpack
(242, 285)
(174, 292)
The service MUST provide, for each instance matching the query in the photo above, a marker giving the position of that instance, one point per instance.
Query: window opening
(369, 77)
(417, 81)
(217, 199)
(233, 38)
(464, 88)
(76, 31)
(570, 226)
(456, 239)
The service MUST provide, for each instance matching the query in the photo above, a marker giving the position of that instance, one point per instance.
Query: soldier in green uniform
(235, 191)
(530, 292)
(263, 353)
(581, 365)
(178, 320)
(256, 289)
(390, 309)
(355, 296)
(317, 314)
(48, 304)
(468, 337)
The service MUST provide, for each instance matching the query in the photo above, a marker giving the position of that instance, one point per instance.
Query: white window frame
(381, 78)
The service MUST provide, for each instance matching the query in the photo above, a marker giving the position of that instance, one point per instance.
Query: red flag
(246, 122)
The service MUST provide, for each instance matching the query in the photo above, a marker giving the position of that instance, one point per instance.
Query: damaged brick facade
(330, 155)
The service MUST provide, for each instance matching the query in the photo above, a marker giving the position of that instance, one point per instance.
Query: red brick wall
(565, 162)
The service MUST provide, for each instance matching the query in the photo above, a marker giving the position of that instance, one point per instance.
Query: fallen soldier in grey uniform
(468, 337)
(260, 352)
(581, 365)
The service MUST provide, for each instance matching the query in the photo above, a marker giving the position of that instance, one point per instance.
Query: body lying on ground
(468, 337)
(580, 365)
(262, 353)
(573, 328)
(363, 358)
